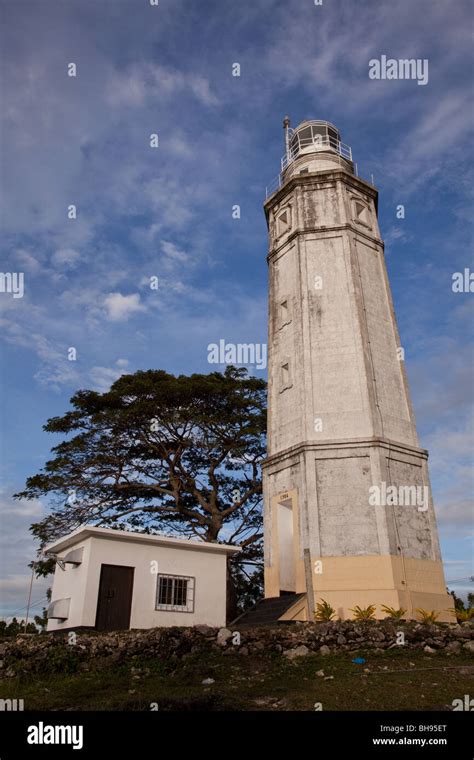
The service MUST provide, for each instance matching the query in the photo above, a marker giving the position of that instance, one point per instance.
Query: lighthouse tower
(349, 517)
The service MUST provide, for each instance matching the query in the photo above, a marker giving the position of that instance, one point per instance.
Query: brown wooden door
(114, 603)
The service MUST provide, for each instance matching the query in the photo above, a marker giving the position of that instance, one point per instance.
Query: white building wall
(82, 583)
(72, 583)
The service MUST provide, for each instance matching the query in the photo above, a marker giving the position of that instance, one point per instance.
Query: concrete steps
(266, 612)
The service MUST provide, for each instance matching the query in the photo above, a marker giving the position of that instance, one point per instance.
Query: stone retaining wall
(43, 653)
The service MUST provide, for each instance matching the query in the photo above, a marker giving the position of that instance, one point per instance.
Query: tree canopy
(159, 453)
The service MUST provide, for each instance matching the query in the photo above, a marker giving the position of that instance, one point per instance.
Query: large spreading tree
(158, 453)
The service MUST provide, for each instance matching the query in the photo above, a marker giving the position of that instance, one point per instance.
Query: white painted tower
(340, 419)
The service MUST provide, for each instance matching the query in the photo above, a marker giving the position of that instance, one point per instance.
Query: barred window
(175, 593)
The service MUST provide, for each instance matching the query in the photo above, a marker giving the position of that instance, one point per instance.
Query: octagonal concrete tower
(348, 510)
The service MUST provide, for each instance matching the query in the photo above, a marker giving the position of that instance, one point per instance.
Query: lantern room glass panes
(313, 136)
(333, 137)
(305, 134)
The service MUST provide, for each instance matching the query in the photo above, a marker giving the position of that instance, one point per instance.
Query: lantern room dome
(314, 135)
(314, 146)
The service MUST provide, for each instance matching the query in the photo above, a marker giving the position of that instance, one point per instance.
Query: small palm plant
(393, 613)
(462, 616)
(364, 613)
(427, 616)
(324, 611)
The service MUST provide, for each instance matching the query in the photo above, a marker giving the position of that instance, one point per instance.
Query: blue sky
(167, 212)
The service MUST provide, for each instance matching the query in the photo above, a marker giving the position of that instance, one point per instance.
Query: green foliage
(458, 602)
(43, 567)
(324, 611)
(42, 620)
(159, 453)
(62, 659)
(14, 627)
(463, 612)
(463, 615)
(393, 613)
(176, 684)
(247, 586)
(364, 613)
(427, 616)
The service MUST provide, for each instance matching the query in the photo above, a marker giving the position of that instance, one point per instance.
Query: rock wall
(46, 653)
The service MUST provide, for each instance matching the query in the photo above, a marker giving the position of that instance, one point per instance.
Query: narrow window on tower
(284, 313)
(284, 221)
(285, 375)
(360, 213)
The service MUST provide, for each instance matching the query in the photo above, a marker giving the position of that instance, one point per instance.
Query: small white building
(112, 580)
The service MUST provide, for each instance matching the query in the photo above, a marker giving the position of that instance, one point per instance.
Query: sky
(166, 212)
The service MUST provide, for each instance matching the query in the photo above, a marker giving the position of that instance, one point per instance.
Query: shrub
(364, 613)
(324, 611)
(393, 613)
(463, 615)
(427, 616)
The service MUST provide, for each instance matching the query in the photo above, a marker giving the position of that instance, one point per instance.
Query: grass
(398, 680)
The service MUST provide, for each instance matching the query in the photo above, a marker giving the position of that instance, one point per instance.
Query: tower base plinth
(394, 581)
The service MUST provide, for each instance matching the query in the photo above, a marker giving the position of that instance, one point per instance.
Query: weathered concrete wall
(331, 320)
(340, 415)
(342, 488)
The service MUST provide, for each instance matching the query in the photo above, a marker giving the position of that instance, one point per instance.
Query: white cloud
(144, 81)
(127, 89)
(27, 261)
(17, 549)
(67, 258)
(23, 508)
(120, 308)
(393, 235)
(55, 369)
(103, 377)
(422, 153)
(174, 256)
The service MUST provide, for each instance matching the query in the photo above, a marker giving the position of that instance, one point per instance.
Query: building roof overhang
(109, 534)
